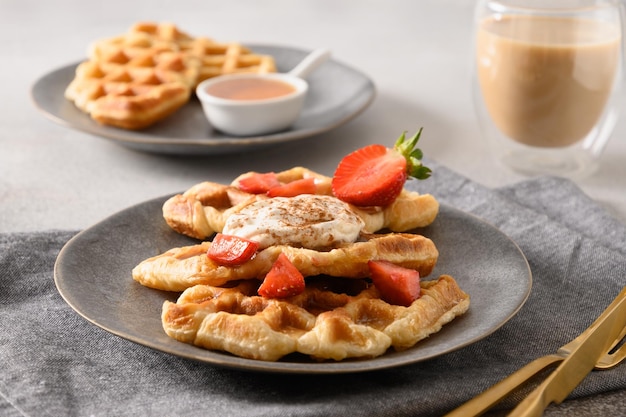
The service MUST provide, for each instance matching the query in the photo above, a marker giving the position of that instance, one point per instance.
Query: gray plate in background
(337, 94)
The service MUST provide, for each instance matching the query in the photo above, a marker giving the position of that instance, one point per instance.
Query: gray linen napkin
(54, 363)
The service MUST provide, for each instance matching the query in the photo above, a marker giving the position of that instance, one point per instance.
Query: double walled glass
(548, 81)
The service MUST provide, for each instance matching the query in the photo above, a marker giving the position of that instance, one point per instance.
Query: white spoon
(310, 63)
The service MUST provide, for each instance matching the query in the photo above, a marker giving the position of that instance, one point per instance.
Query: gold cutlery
(592, 349)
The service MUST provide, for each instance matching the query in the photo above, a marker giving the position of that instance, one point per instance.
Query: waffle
(203, 209)
(319, 323)
(136, 79)
(215, 58)
(127, 96)
(226, 58)
(180, 268)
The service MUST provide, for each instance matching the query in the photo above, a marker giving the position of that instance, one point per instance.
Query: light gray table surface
(418, 53)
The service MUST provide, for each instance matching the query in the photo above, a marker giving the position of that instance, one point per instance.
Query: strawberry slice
(282, 280)
(397, 285)
(259, 183)
(375, 175)
(231, 250)
(294, 188)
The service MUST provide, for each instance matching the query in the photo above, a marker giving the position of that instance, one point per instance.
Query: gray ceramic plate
(93, 275)
(337, 94)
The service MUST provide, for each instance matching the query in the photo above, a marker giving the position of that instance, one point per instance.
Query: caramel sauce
(250, 89)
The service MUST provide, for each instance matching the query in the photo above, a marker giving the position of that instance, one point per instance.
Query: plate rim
(227, 360)
(219, 143)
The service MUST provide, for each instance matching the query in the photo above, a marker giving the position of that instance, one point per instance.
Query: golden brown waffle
(226, 58)
(180, 268)
(215, 58)
(133, 80)
(203, 209)
(319, 323)
(219, 309)
(128, 96)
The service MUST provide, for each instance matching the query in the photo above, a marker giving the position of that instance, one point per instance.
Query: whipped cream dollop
(309, 221)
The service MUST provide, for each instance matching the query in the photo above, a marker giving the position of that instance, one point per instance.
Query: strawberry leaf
(413, 155)
(421, 172)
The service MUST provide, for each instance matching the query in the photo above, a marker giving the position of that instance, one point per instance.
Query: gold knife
(596, 341)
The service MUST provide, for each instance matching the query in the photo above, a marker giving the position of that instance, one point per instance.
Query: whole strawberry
(375, 175)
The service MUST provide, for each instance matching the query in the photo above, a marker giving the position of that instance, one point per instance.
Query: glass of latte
(547, 81)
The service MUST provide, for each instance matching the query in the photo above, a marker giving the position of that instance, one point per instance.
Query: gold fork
(611, 359)
(499, 391)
